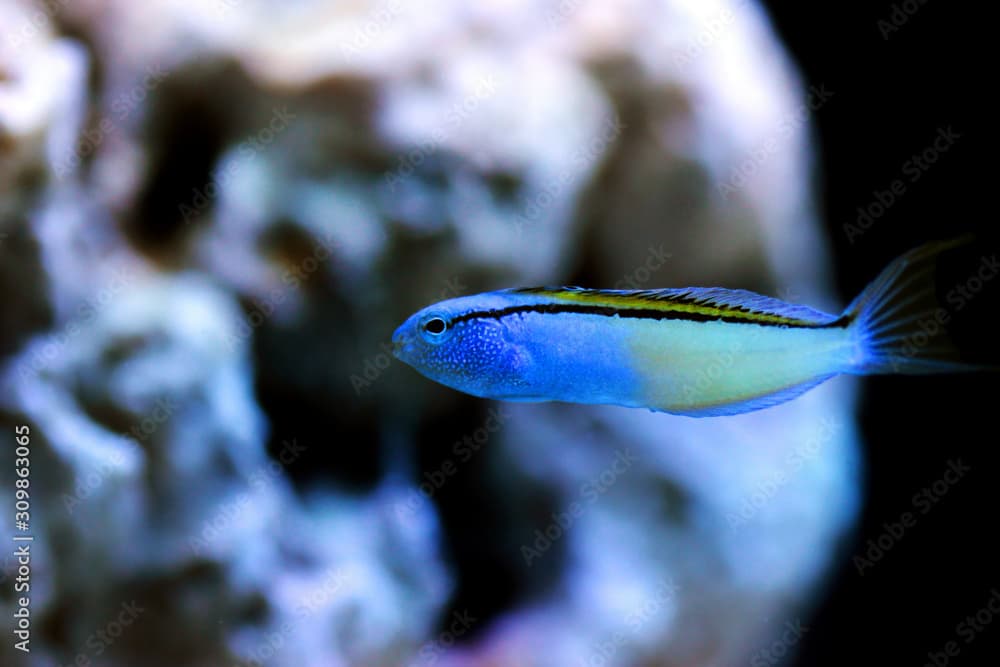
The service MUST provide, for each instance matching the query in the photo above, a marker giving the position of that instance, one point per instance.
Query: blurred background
(213, 215)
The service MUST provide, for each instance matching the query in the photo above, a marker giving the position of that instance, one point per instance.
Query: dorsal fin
(709, 301)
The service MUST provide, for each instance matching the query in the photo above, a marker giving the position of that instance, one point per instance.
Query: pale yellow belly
(686, 367)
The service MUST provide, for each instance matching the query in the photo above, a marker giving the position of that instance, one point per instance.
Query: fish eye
(435, 325)
(434, 328)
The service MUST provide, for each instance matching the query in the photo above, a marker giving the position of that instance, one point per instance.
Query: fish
(694, 351)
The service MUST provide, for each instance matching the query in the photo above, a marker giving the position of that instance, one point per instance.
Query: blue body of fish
(691, 351)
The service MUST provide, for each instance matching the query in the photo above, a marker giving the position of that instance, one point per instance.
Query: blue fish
(691, 351)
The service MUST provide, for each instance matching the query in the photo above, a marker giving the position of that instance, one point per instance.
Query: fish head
(457, 344)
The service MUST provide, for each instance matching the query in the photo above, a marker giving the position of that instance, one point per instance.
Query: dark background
(893, 92)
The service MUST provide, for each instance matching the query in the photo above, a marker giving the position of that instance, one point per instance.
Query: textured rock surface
(211, 219)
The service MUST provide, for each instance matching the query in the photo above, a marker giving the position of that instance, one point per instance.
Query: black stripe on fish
(643, 313)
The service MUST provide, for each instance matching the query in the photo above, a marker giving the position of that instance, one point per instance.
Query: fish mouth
(398, 343)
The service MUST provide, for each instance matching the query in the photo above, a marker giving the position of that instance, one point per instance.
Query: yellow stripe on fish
(703, 304)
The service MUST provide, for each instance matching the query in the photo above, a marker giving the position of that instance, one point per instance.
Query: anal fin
(751, 404)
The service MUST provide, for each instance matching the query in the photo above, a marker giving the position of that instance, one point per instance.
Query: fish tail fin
(897, 325)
